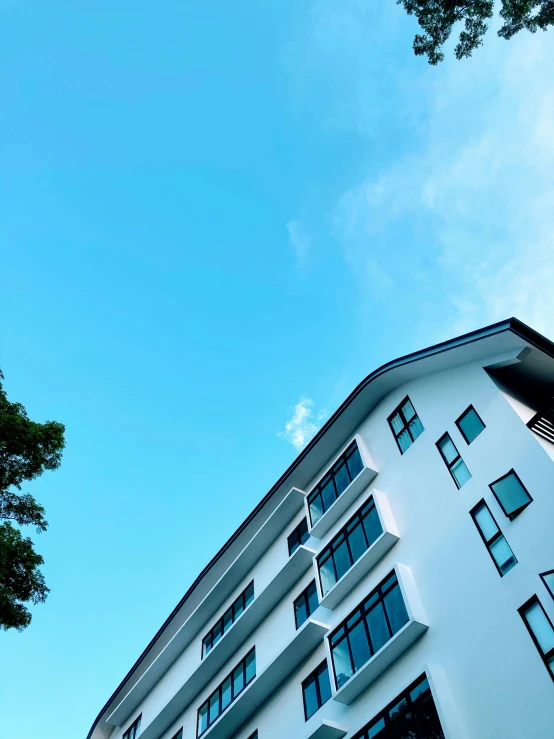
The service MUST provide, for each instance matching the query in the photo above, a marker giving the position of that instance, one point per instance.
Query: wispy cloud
(449, 220)
(303, 424)
(300, 241)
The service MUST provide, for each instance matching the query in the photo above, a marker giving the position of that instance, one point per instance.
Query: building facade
(397, 580)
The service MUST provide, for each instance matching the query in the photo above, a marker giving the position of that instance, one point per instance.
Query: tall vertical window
(316, 690)
(368, 628)
(298, 536)
(452, 459)
(228, 619)
(496, 544)
(225, 694)
(355, 538)
(133, 730)
(334, 483)
(548, 580)
(541, 630)
(411, 715)
(470, 424)
(511, 494)
(305, 604)
(405, 425)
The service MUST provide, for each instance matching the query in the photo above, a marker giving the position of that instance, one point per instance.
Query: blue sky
(215, 219)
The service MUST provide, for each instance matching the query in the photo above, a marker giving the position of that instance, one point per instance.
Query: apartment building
(396, 581)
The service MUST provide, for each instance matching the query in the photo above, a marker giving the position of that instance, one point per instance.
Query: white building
(434, 620)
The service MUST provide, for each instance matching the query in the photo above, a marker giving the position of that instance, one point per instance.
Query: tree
(437, 18)
(27, 449)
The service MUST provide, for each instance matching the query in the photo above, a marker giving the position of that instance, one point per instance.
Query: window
(455, 464)
(511, 494)
(228, 619)
(334, 483)
(548, 580)
(254, 735)
(316, 690)
(225, 694)
(470, 424)
(405, 425)
(498, 547)
(355, 538)
(367, 629)
(299, 536)
(133, 730)
(305, 604)
(179, 734)
(411, 715)
(541, 630)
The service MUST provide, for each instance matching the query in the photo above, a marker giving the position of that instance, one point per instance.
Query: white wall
(488, 678)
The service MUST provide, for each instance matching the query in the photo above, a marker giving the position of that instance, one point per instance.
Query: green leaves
(438, 17)
(27, 449)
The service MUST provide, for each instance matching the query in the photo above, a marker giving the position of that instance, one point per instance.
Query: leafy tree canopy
(437, 18)
(27, 449)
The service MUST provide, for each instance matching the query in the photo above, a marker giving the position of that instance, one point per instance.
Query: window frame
(220, 623)
(404, 695)
(304, 596)
(450, 465)
(218, 690)
(458, 424)
(398, 411)
(179, 734)
(517, 512)
(299, 541)
(541, 575)
(328, 552)
(499, 535)
(134, 726)
(330, 475)
(359, 615)
(314, 675)
(534, 599)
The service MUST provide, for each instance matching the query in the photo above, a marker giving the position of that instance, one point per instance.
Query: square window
(511, 494)
(470, 424)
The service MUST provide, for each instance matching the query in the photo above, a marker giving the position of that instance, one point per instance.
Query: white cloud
(463, 225)
(303, 424)
(300, 241)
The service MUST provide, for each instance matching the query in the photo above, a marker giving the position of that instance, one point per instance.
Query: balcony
(394, 648)
(347, 497)
(223, 589)
(326, 729)
(305, 640)
(249, 620)
(369, 558)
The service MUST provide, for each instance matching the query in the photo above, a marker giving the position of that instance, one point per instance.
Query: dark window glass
(548, 580)
(411, 715)
(511, 494)
(541, 629)
(470, 424)
(455, 464)
(405, 425)
(316, 690)
(133, 730)
(496, 544)
(227, 692)
(299, 536)
(228, 619)
(305, 604)
(178, 735)
(356, 536)
(254, 735)
(334, 483)
(367, 629)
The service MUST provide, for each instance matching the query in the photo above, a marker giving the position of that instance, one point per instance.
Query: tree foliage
(437, 18)
(27, 449)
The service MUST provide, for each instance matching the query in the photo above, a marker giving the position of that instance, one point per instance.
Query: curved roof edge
(511, 324)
